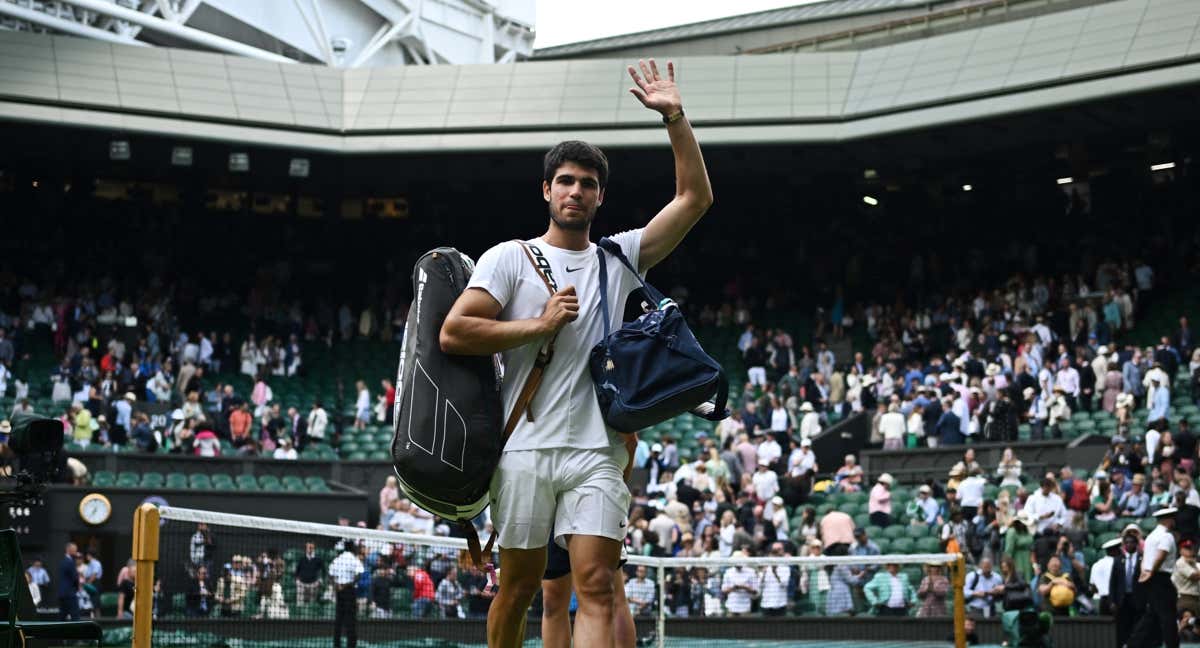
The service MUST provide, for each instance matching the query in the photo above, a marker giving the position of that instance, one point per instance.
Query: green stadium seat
(153, 480)
(108, 604)
(104, 478)
(895, 531)
(902, 546)
(356, 456)
(263, 480)
(885, 545)
(1099, 540)
(313, 480)
(1147, 524)
(928, 545)
(918, 531)
(380, 455)
(861, 519)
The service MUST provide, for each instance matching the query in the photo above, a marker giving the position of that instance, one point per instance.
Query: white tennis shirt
(566, 414)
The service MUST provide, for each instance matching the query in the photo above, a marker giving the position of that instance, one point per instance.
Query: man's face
(641, 571)
(1130, 543)
(893, 568)
(310, 547)
(573, 194)
(201, 573)
(985, 566)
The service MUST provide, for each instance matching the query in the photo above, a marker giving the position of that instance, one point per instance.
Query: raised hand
(655, 92)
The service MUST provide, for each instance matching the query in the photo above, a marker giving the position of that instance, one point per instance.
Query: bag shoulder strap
(523, 404)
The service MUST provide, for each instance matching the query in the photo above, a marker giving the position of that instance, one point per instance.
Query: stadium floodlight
(870, 174)
(1162, 167)
(1065, 181)
(118, 150)
(298, 167)
(968, 187)
(870, 200)
(181, 156)
(239, 162)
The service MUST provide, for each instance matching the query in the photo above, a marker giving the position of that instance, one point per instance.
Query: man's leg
(624, 631)
(556, 613)
(520, 576)
(339, 618)
(593, 563)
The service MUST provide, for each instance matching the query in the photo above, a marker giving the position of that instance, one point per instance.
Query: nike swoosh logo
(570, 269)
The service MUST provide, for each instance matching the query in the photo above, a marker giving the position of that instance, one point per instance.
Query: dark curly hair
(581, 153)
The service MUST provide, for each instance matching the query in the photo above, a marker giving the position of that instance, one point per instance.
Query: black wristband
(673, 117)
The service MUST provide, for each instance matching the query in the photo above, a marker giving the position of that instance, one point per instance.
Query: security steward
(1157, 626)
(1126, 596)
(344, 572)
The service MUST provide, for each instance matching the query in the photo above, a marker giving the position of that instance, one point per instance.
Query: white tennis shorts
(564, 490)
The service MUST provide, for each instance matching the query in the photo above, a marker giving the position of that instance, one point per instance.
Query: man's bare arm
(693, 193)
(471, 327)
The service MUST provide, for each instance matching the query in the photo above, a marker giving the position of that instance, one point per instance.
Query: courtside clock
(95, 509)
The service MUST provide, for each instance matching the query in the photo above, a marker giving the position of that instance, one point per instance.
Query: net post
(145, 553)
(959, 567)
(660, 626)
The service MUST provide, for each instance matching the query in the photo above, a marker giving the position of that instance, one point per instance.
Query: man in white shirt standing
(1047, 507)
(344, 572)
(317, 422)
(769, 451)
(774, 585)
(1158, 625)
(740, 586)
(561, 474)
(802, 460)
(892, 427)
(1101, 573)
(766, 482)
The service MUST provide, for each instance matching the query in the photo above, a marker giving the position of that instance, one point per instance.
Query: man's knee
(594, 585)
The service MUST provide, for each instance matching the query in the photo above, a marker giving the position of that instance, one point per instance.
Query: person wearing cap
(849, 477)
(879, 504)
(1018, 544)
(1159, 399)
(1100, 577)
(766, 482)
(769, 451)
(810, 422)
(654, 464)
(1187, 578)
(1157, 623)
(1135, 502)
(344, 572)
(924, 509)
(802, 460)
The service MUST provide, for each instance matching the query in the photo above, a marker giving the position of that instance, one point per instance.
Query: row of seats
(216, 481)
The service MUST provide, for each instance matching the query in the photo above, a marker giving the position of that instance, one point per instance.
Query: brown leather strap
(545, 353)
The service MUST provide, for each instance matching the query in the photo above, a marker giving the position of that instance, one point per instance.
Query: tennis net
(257, 582)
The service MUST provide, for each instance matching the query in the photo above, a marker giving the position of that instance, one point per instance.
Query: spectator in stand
(198, 597)
(640, 593)
(1056, 589)
(449, 594)
(932, 592)
(389, 400)
(1046, 505)
(423, 591)
(317, 422)
(740, 586)
(1135, 503)
(309, 571)
(240, 421)
(889, 593)
(1018, 545)
(893, 427)
(879, 505)
(362, 406)
(69, 581)
(1009, 470)
(285, 450)
(344, 572)
(924, 509)
(848, 478)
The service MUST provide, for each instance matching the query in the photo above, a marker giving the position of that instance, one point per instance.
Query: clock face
(95, 509)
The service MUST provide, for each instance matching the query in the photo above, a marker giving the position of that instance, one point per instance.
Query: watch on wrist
(673, 117)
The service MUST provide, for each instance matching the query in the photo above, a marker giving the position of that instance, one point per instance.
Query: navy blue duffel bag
(652, 369)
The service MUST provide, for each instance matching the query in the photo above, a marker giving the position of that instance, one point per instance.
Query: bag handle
(715, 411)
(523, 404)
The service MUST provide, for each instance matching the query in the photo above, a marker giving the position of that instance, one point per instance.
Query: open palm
(655, 92)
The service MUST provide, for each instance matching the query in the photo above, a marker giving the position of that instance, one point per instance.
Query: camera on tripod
(33, 457)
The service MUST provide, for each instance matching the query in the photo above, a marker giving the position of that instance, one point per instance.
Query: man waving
(561, 473)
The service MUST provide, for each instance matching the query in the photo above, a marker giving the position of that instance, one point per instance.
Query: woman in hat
(1018, 544)
(1103, 506)
(814, 581)
(932, 591)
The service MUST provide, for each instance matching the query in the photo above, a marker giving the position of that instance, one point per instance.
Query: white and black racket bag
(449, 428)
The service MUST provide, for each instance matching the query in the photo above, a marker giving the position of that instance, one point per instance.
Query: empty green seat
(902, 546)
(927, 545)
(918, 531)
(104, 478)
(895, 531)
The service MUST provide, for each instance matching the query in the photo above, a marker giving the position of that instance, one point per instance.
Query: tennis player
(560, 475)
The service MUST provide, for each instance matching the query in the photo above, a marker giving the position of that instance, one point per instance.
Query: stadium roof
(1061, 59)
(816, 11)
